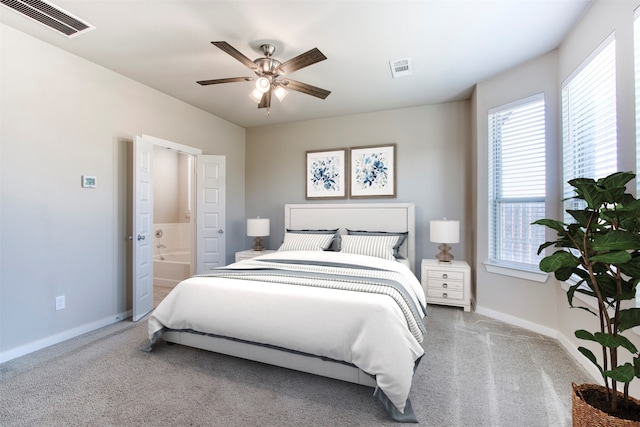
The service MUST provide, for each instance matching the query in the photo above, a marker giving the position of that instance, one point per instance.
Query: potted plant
(600, 250)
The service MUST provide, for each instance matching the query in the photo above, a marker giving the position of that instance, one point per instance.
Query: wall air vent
(401, 67)
(50, 16)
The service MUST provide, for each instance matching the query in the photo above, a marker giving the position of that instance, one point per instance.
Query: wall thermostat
(89, 181)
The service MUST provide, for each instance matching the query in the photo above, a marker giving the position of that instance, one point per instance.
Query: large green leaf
(608, 286)
(607, 340)
(544, 246)
(584, 335)
(587, 190)
(582, 273)
(636, 366)
(616, 179)
(589, 355)
(629, 286)
(614, 194)
(629, 318)
(623, 374)
(558, 260)
(614, 257)
(582, 216)
(570, 292)
(563, 274)
(616, 240)
(631, 268)
(612, 341)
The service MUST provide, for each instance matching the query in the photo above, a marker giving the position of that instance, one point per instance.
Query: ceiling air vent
(401, 67)
(50, 16)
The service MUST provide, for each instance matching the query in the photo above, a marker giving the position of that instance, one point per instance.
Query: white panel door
(210, 187)
(142, 226)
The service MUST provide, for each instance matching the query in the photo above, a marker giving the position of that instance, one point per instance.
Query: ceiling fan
(269, 74)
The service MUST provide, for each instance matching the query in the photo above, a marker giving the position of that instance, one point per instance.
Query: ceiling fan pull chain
(268, 111)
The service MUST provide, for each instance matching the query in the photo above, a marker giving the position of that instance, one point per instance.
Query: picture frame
(326, 174)
(373, 171)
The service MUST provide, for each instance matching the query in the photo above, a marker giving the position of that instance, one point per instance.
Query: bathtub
(171, 268)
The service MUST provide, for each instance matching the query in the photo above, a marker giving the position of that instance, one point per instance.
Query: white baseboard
(23, 350)
(586, 363)
(549, 332)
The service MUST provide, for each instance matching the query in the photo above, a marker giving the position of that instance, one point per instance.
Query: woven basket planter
(585, 415)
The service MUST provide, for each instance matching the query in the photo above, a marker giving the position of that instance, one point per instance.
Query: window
(517, 182)
(589, 136)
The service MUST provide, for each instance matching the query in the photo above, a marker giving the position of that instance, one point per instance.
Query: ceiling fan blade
(305, 88)
(229, 80)
(301, 61)
(226, 47)
(265, 102)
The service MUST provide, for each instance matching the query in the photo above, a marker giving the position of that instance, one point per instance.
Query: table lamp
(444, 232)
(258, 228)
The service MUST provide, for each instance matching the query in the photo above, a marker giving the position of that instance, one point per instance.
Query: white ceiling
(453, 44)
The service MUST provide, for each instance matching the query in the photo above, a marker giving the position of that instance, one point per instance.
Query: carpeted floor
(476, 372)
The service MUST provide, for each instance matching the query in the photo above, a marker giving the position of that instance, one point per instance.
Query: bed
(354, 314)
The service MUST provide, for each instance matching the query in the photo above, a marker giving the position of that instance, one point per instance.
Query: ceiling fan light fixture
(267, 71)
(263, 84)
(280, 92)
(256, 95)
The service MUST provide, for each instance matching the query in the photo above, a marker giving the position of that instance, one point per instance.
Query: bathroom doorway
(173, 225)
(204, 205)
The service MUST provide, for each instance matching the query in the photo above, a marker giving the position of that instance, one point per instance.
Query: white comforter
(365, 329)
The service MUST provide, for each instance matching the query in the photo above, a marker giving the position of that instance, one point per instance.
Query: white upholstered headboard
(395, 217)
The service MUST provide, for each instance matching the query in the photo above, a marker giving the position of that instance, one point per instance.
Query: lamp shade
(257, 227)
(263, 84)
(443, 231)
(256, 95)
(280, 92)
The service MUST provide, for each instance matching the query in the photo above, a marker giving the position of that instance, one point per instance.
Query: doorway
(207, 216)
(173, 224)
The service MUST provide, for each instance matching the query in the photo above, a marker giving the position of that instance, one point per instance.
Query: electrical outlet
(60, 303)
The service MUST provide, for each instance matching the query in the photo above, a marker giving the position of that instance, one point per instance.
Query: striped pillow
(396, 249)
(377, 246)
(306, 242)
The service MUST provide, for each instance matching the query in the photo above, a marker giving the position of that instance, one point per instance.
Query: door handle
(221, 231)
(140, 237)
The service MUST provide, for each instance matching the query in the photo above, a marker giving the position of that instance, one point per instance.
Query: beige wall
(170, 186)
(433, 165)
(529, 303)
(63, 117)
(543, 306)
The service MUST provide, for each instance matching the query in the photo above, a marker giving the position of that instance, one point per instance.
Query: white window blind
(589, 136)
(517, 182)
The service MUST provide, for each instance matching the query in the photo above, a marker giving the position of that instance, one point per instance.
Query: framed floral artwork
(373, 171)
(326, 174)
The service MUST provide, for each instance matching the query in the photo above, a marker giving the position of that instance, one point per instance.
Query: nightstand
(447, 283)
(250, 254)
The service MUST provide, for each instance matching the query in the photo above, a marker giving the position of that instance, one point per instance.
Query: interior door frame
(195, 152)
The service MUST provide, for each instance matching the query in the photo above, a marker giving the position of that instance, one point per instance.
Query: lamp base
(444, 255)
(257, 245)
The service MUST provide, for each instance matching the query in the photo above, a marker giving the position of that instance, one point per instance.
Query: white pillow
(377, 246)
(306, 242)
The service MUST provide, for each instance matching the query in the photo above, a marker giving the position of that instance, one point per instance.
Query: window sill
(512, 271)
